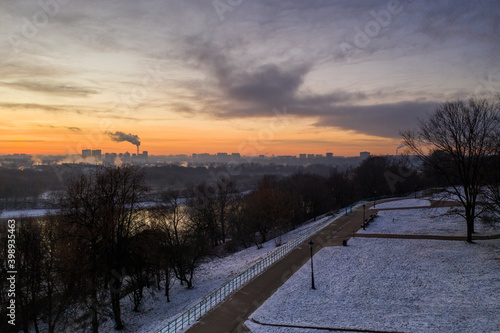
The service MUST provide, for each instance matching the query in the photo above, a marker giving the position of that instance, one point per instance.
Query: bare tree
(82, 229)
(464, 132)
(58, 287)
(29, 259)
(103, 214)
(493, 198)
(185, 243)
(267, 208)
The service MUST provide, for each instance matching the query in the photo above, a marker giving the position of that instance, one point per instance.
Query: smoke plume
(120, 137)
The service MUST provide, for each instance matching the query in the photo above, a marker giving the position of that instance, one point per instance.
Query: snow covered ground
(403, 203)
(392, 285)
(425, 221)
(155, 312)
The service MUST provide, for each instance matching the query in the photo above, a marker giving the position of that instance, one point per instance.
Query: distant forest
(20, 189)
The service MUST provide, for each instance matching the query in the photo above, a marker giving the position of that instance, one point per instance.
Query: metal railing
(209, 302)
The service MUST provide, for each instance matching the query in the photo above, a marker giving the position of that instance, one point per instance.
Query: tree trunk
(167, 283)
(158, 280)
(115, 304)
(470, 229)
(93, 313)
(469, 218)
(35, 324)
(167, 289)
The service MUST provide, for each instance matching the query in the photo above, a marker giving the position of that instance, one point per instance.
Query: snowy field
(425, 221)
(155, 312)
(403, 203)
(392, 285)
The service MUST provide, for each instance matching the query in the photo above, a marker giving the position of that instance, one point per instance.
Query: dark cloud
(385, 120)
(249, 90)
(32, 106)
(78, 109)
(256, 92)
(74, 129)
(268, 83)
(52, 88)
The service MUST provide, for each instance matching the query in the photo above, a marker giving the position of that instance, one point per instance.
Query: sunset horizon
(243, 77)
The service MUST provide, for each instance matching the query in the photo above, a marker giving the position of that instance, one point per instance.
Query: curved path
(231, 314)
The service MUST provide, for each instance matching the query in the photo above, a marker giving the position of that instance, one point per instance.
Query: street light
(312, 267)
(364, 219)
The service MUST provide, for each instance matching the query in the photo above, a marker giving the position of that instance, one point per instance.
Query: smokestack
(137, 150)
(120, 137)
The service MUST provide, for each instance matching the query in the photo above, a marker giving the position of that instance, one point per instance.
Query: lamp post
(375, 199)
(312, 267)
(364, 219)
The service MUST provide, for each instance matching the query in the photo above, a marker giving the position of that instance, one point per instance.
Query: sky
(250, 76)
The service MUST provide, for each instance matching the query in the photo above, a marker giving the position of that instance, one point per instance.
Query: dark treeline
(20, 189)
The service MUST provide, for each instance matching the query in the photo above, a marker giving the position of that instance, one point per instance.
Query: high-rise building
(96, 153)
(222, 156)
(86, 153)
(364, 154)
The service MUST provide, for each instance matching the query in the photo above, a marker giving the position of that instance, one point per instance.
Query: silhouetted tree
(465, 132)
(266, 208)
(342, 188)
(493, 173)
(184, 240)
(29, 257)
(370, 176)
(102, 214)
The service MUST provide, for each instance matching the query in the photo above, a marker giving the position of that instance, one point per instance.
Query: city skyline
(251, 77)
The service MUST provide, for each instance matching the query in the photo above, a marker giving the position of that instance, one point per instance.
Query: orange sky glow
(263, 78)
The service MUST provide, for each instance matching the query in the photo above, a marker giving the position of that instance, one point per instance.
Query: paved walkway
(230, 315)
